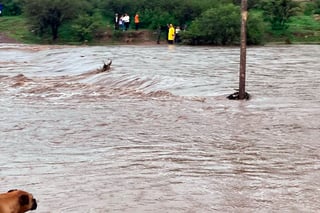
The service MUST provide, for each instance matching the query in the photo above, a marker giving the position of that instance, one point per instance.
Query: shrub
(153, 18)
(317, 7)
(256, 29)
(221, 26)
(218, 26)
(12, 7)
(85, 27)
(278, 12)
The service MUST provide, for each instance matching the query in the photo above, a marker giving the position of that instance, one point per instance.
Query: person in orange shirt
(136, 21)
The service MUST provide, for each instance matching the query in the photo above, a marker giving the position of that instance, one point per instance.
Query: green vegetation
(278, 12)
(16, 27)
(218, 26)
(301, 29)
(215, 22)
(50, 15)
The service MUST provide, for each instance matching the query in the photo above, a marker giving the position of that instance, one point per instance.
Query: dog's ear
(12, 190)
(24, 200)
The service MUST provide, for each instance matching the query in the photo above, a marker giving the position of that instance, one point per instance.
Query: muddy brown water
(156, 133)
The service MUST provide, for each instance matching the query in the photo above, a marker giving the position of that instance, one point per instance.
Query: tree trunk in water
(243, 49)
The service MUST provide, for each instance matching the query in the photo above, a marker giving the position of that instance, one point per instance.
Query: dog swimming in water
(17, 201)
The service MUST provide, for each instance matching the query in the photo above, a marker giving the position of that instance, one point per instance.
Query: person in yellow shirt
(136, 21)
(171, 34)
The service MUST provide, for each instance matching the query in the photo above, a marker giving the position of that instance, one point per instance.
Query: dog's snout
(34, 204)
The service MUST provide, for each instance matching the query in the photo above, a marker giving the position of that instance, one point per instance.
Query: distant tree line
(207, 21)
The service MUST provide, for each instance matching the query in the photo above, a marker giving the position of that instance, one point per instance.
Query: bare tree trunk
(243, 50)
(242, 94)
(54, 29)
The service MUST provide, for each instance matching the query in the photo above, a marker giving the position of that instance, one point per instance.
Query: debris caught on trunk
(235, 96)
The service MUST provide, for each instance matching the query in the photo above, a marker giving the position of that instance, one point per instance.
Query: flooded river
(156, 133)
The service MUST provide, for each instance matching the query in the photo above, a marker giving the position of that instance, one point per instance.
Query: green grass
(301, 23)
(304, 29)
(301, 29)
(16, 27)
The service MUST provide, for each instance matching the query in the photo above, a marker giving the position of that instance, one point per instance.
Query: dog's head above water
(17, 201)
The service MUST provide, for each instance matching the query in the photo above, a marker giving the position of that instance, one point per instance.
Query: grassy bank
(302, 29)
(16, 27)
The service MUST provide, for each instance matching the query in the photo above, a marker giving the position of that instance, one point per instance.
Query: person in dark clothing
(116, 21)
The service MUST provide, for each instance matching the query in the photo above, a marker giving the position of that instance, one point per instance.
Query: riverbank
(146, 37)
(143, 37)
(6, 39)
(302, 30)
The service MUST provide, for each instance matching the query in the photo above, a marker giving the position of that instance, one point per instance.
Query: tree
(317, 7)
(251, 3)
(278, 12)
(255, 28)
(155, 18)
(219, 26)
(121, 7)
(85, 26)
(12, 7)
(51, 14)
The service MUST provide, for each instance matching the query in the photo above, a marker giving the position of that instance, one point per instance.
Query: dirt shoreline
(141, 37)
(6, 39)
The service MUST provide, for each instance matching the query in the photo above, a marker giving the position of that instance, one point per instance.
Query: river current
(156, 132)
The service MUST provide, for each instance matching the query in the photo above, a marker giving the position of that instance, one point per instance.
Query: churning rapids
(156, 133)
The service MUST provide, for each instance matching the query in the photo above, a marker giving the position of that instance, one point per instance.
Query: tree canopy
(51, 14)
(278, 12)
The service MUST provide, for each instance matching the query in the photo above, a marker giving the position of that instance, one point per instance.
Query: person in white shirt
(126, 20)
(177, 34)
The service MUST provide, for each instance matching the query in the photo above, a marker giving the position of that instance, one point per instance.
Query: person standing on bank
(171, 34)
(177, 35)
(136, 21)
(121, 23)
(116, 21)
(126, 20)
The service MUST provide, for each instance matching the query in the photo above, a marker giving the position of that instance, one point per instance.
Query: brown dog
(17, 201)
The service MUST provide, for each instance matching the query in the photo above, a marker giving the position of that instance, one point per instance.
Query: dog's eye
(24, 200)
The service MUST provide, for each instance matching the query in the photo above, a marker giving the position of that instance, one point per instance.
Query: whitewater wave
(88, 84)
